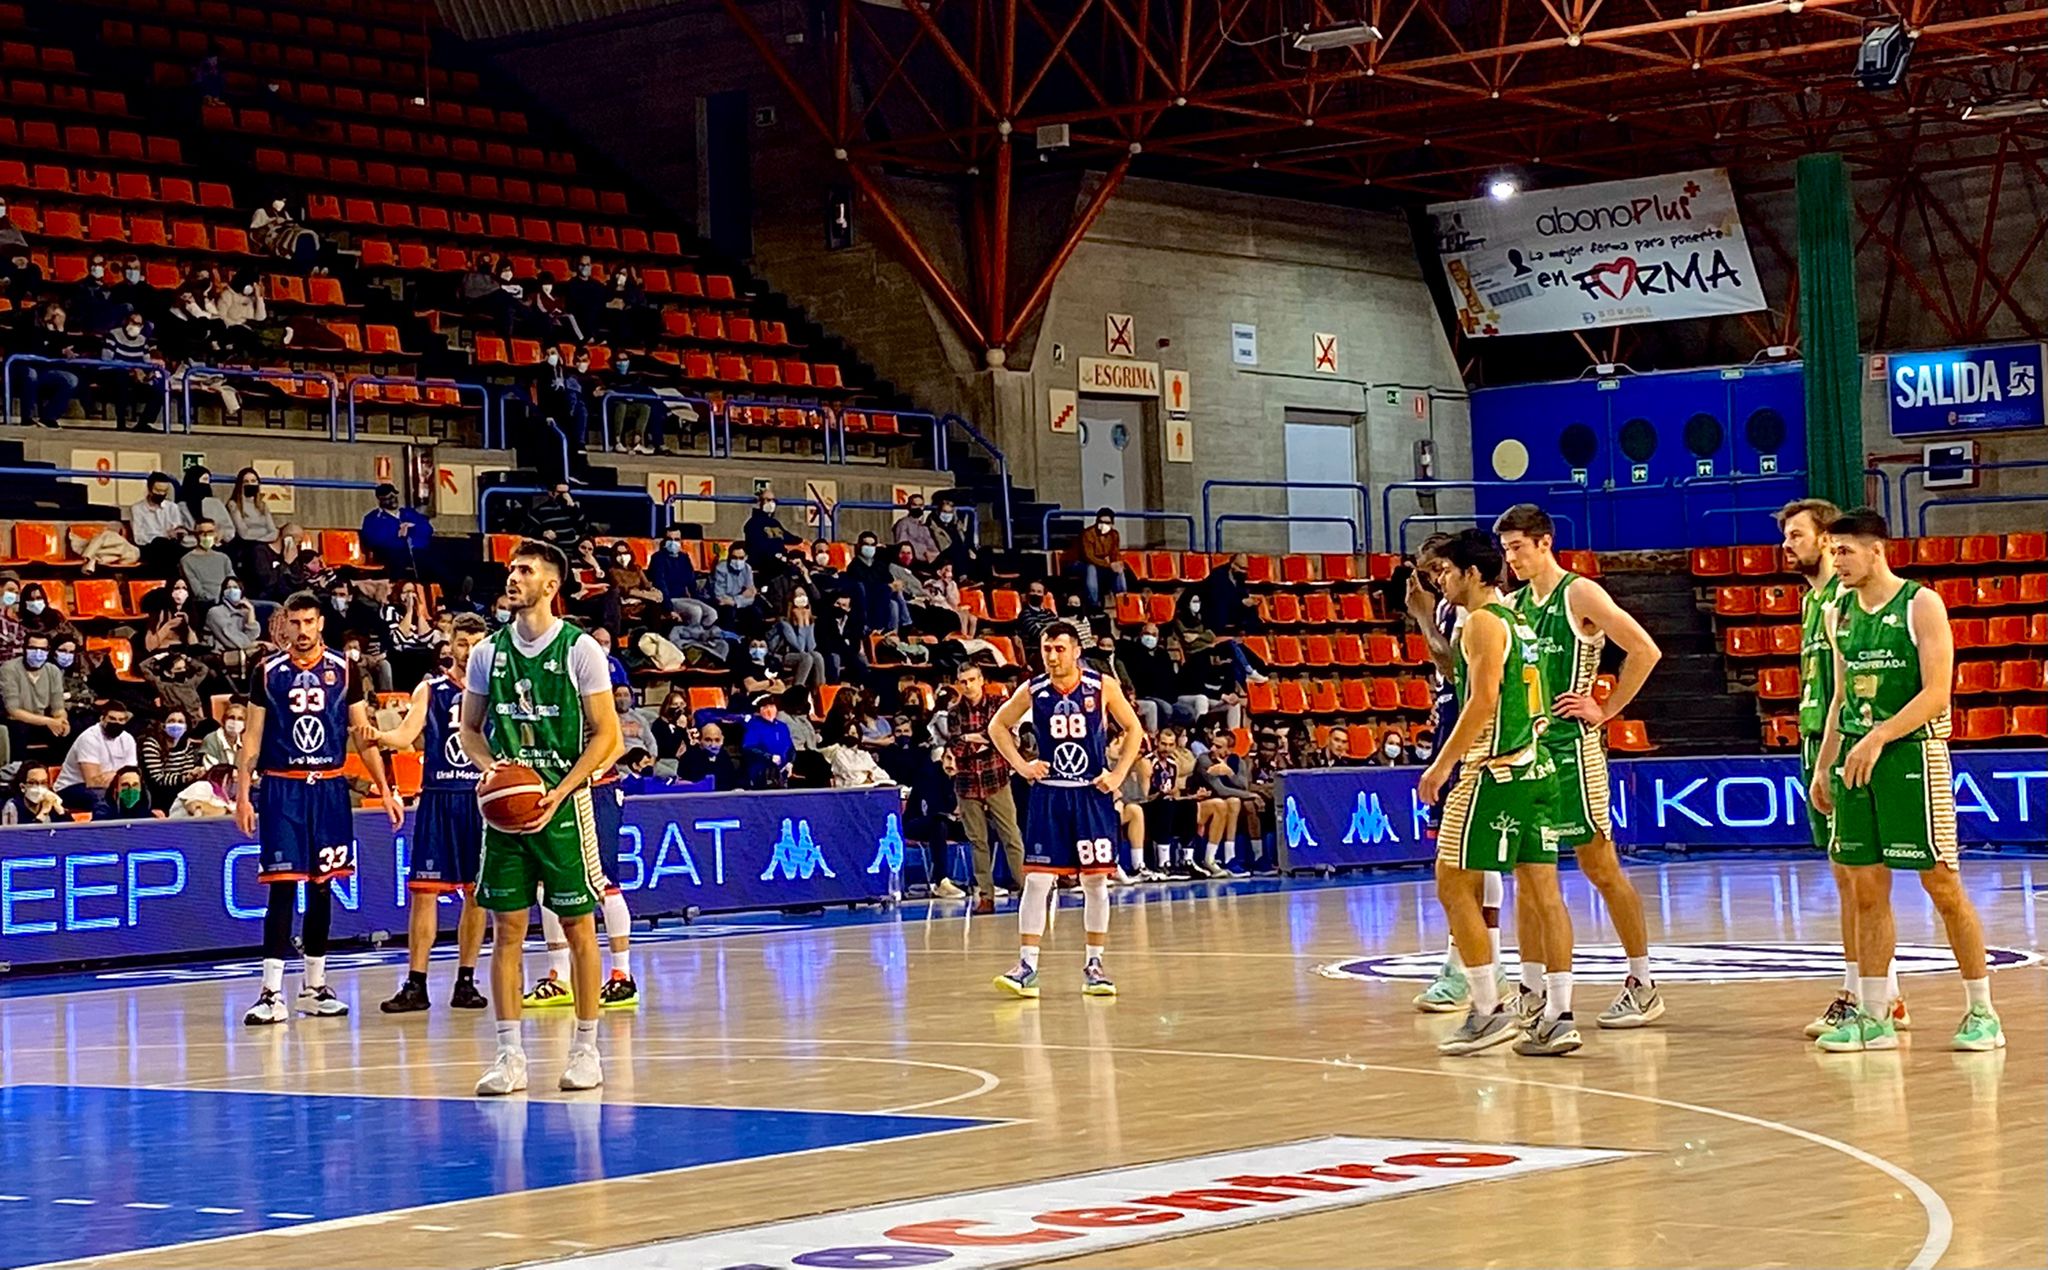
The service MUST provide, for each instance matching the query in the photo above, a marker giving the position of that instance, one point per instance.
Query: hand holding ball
(509, 796)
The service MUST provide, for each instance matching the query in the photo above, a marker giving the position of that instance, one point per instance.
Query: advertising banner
(1643, 250)
(1964, 390)
(147, 888)
(1338, 817)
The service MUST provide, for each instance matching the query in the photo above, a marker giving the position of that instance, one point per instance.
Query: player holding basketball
(539, 693)
(1804, 524)
(307, 707)
(1574, 618)
(1442, 623)
(447, 831)
(1883, 774)
(1072, 821)
(1497, 812)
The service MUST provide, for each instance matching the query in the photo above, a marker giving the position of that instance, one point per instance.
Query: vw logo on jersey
(1689, 963)
(452, 751)
(309, 734)
(1069, 760)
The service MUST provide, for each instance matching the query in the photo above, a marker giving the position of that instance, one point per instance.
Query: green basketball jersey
(1569, 663)
(1816, 657)
(1519, 715)
(536, 716)
(1880, 663)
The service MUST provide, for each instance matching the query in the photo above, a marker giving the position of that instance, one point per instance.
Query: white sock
(1874, 1000)
(622, 962)
(586, 1036)
(1095, 947)
(1891, 984)
(1209, 850)
(1452, 961)
(1028, 954)
(508, 1037)
(1485, 994)
(1849, 978)
(273, 974)
(1493, 889)
(558, 962)
(316, 972)
(1533, 976)
(1493, 939)
(1558, 985)
(1979, 991)
(1640, 968)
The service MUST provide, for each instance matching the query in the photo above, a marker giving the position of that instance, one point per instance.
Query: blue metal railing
(970, 519)
(674, 500)
(184, 378)
(1063, 513)
(1364, 499)
(1731, 481)
(157, 373)
(362, 381)
(1229, 518)
(1584, 493)
(484, 497)
(1930, 500)
(1884, 491)
(1568, 539)
(656, 401)
(944, 462)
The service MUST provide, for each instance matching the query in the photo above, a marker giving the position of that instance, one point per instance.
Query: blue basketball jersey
(1072, 733)
(305, 712)
(446, 766)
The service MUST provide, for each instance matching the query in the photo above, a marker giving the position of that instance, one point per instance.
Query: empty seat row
(714, 327)
(348, 99)
(380, 253)
(17, 56)
(1903, 553)
(1382, 694)
(142, 231)
(406, 14)
(533, 231)
(297, 58)
(249, 18)
(34, 94)
(86, 141)
(395, 139)
(1996, 723)
(1993, 591)
(128, 187)
(1973, 678)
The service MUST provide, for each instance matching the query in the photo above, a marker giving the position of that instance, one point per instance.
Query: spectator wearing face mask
(32, 693)
(160, 527)
(869, 581)
(195, 494)
(206, 569)
(672, 727)
(31, 801)
(1392, 750)
(1102, 560)
(232, 627)
(643, 424)
(126, 797)
(395, 536)
(254, 543)
(79, 670)
(912, 530)
(710, 758)
(558, 518)
(753, 671)
(795, 641)
(134, 293)
(841, 639)
(171, 758)
(768, 540)
(1038, 614)
(38, 614)
(276, 229)
(584, 296)
(135, 387)
(636, 725)
(180, 681)
(769, 747)
(96, 753)
(1424, 748)
(949, 533)
(557, 322)
(46, 391)
(733, 590)
(91, 303)
(225, 742)
(1155, 680)
(561, 432)
(13, 635)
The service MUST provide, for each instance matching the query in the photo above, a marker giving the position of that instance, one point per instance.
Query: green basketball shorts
(1905, 818)
(1496, 817)
(560, 860)
(1822, 824)
(1580, 798)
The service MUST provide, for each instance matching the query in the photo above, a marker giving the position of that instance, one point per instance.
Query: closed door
(1320, 452)
(1109, 436)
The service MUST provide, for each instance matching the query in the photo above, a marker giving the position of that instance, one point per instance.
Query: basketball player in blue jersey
(1072, 821)
(1441, 623)
(307, 706)
(447, 829)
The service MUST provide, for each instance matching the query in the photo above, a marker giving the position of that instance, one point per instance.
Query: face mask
(10, 598)
(98, 272)
(249, 290)
(867, 551)
(800, 603)
(583, 271)
(1424, 749)
(175, 731)
(769, 507)
(738, 562)
(554, 359)
(36, 607)
(945, 518)
(113, 729)
(547, 288)
(1148, 641)
(181, 597)
(133, 275)
(355, 654)
(128, 798)
(758, 654)
(1105, 525)
(1195, 608)
(712, 747)
(823, 560)
(64, 660)
(389, 502)
(1391, 749)
(233, 727)
(503, 616)
(505, 277)
(35, 658)
(672, 547)
(157, 496)
(36, 791)
(135, 330)
(206, 541)
(232, 594)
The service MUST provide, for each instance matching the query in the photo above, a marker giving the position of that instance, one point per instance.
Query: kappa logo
(1297, 828)
(888, 848)
(1369, 822)
(1688, 963)
(796, 854)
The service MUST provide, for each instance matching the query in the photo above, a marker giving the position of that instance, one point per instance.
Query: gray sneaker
(1481, 1032)
(1639, 1004)
(1528, 1007)
(1549, 1038)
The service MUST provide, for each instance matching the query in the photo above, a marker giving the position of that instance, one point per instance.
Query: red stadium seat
(1757, 562)
(1386, 694)
(2021, 676)
(1779, 599)
(1317, 650)
(1735, 601)
(2026, 548)
(2029, 721)
(1976, 677)
(1744, 641)
(1784, 640)
(1349, 650)
(1778, 683)
(1628, 736)
(1286, 651)
(1980, 723)
(1978, 549)
(1293, 697)
(1934, 552)
(1296, 570)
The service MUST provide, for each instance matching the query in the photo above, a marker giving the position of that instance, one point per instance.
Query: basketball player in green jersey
(1803, 523)
(1883, 774)
(1573, 618)
(539, 692)
(1496, 811)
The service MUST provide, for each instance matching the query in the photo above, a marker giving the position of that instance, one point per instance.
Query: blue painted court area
(89, 1171)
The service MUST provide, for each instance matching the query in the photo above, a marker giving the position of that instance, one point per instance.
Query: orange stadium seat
(1628, 736)
(1976, 677)
(1735, 601)
(2029, 721)
(1778, 683)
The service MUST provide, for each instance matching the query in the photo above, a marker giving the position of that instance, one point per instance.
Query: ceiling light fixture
(1342, 36)
(1502, 189)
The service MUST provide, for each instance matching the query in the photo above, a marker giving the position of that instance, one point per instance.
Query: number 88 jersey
(1072, 738)
(305, 712)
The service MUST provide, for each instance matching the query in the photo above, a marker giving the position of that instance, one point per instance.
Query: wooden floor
(1745, 1146)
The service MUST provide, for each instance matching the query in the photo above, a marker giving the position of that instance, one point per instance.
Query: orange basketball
(509, 796)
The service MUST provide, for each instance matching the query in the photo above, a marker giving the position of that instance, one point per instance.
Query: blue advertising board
(148, 888)
(1339, 817)
(1964, 390)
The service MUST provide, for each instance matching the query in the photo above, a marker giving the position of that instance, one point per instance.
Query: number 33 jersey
(305, 712)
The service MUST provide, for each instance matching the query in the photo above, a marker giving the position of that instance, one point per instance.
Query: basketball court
(849, 1091)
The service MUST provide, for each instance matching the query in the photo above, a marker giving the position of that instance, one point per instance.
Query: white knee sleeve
(618, 919)
(1494, 889)
(1095, 902)
(1031, 904)
(551, 929)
